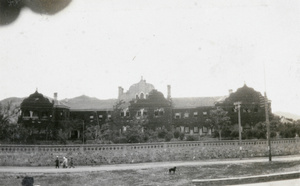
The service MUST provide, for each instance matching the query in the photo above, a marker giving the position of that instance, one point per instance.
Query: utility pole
(268, 126)
(238, 107)
(266, 101)
(82, 131)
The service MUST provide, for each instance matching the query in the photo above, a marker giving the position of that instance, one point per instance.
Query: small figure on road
(172, 170)
(71, 163)
(65, 162)
(57, 163)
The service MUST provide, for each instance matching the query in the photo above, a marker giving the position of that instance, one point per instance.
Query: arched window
(142, 96)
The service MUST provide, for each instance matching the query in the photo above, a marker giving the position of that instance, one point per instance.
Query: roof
(194, 102)
(85, 103)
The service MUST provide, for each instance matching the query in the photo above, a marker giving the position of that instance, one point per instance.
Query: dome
(141, 86)
(36, 100)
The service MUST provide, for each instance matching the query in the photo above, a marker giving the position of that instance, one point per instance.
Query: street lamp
(238, 107)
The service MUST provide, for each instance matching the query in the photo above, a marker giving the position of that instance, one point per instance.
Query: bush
(181, 136)
(273, 134)
(162, 133)
(234, 134)
(176, 134)
(191, 138)
(120, 140)
(169, 136)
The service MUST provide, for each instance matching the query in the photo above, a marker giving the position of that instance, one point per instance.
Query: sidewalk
(43, 170)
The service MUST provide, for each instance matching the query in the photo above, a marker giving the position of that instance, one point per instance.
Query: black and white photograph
(149, 92)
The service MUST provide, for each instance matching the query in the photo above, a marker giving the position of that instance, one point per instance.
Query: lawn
(152, 176)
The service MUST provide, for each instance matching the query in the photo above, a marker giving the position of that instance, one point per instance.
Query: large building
(143, 104)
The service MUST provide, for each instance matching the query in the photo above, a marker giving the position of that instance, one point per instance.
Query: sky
(199, 47)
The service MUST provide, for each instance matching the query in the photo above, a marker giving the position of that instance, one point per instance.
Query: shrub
(162, 133)
(169, 136)
(181, 136)
(121, 139)
(191, 138)
(176, 134)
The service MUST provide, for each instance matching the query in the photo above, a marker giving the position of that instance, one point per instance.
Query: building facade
(144, 105)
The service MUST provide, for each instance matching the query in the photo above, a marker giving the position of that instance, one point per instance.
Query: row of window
(143, 112)
(100, 117)
(193, 129)
(178, 115)
(245, 110)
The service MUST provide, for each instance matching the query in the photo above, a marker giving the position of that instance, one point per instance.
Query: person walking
(71, 163)
(65, 162)
(57, 163)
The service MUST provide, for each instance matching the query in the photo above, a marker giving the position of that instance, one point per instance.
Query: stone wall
(44, 155)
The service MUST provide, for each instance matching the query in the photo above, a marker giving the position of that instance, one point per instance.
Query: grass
(152, 176)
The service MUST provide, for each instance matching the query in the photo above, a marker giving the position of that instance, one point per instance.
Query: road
(15, 169)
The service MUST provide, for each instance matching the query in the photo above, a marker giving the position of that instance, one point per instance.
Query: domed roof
(142, 85)
(244, 94)
(36, 100)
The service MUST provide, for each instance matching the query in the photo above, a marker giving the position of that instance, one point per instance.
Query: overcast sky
(199, 47)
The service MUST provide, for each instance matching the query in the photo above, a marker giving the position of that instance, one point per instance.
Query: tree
(218, 120)
(8, 116)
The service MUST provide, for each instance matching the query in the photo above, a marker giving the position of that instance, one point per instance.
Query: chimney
(169, 92)
(120, 92)
(230, 91)
(55, 96)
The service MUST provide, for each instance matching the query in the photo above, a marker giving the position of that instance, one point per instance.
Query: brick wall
(43, 155)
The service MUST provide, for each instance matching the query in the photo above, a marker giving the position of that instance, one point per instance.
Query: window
(139, 113)
(91, 117)
(109, 116)
(195, 114)
(144, 113)
(177, 115)
(142, 95)
(204, 130)
(27, 113)
(127, 113)
(100, 117)
(159, 112)
(35, 115)
(178, 129)
(255, 109)
(187, 129)
(196, 129)
(186, 115)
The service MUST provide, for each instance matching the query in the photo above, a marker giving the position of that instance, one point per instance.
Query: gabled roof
(194, 102)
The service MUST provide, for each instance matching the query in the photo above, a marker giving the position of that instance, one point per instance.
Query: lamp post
(238, 107)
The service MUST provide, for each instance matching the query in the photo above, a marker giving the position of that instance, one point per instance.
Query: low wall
(44, 155)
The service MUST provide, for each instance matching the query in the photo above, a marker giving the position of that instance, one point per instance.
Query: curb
(247, 180)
